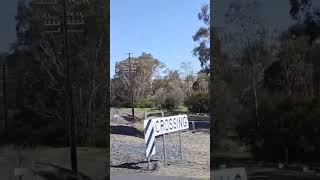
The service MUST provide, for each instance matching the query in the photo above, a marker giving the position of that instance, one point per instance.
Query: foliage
(38, 70)
(269, 93)
(97, 136)
(199, 102)
(146, 103)
(143, 69)
(292, 125)
(203, 37)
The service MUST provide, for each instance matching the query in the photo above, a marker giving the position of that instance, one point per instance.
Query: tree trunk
(255, 99)
(5, 105)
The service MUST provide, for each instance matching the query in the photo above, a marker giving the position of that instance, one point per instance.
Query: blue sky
(163, 28)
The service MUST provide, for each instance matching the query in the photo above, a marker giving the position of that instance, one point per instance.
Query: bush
(170, 104)
(198, 102)
(30, 128)
(98, 134)
(291, 125)
(146, 103)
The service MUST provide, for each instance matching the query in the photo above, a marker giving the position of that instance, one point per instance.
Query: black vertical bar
(73, 151)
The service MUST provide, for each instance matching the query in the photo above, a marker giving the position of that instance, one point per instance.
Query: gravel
(128, 154)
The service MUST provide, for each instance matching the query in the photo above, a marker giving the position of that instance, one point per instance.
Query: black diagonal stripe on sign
(151, 149)
(147, 127)
(149, 137)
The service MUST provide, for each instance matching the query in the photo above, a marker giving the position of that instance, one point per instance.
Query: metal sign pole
(164, 144)
(180, 144)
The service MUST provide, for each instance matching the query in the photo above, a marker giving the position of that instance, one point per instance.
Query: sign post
(180, 146)
(145, 117)
(164, 144)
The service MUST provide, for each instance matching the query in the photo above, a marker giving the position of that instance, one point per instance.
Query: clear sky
(163, 28)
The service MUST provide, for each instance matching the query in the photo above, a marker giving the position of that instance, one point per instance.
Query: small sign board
(170, 124)
(230, 174)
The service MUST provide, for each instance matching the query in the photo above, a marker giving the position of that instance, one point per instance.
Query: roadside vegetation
(266, 88)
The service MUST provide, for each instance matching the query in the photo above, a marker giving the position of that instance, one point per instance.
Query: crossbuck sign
(170, 124)
(161, 126)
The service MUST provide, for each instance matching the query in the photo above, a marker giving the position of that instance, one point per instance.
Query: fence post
(193, 126)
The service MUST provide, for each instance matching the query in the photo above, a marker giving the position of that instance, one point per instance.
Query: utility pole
(73, 150)
(62, 25)
(131, 85)
(5, 106)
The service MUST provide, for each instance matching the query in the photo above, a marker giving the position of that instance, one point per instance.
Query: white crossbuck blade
(160, 126)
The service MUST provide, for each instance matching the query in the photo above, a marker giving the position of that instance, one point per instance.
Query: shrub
(146, 103)
(170, 104)
(198, 102)
(291, 125)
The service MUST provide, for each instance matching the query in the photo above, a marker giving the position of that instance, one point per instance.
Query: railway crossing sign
(162, 126)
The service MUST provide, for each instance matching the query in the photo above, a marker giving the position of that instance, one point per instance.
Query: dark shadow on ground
(131, 165)
(128, 117)
(154, 114)
(53, 172)
(126, 130)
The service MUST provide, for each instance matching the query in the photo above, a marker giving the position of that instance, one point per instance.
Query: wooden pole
(73, 149)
